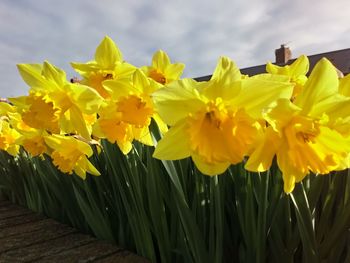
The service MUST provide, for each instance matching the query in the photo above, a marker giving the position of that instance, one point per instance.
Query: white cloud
(193, 32)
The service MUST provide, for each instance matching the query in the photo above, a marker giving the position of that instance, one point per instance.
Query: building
(339, 58)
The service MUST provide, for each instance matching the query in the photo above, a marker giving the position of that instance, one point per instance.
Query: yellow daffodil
(108, 64)
(54, 104)
(70, 154)
(303, 135)
(8, 134)
(215, 122)
(296, 72)
(127, 114)
(162, 70)
(8, 137)
(30, 138)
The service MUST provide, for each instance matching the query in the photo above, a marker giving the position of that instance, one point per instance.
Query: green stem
(262, 213)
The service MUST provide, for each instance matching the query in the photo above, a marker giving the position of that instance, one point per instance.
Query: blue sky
(193, 32)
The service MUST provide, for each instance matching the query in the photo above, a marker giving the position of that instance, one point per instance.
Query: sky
(196, 33)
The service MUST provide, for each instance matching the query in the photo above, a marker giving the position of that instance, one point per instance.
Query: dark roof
(339, 58)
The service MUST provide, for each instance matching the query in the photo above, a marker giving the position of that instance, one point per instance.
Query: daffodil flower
(8, 137)
(304, 135)
(71, 155)
(127, 114)
(162, 70)
(215, 122)
(108, 64)
(54, 104)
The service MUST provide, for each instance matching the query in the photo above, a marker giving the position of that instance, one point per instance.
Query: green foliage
(169, 212)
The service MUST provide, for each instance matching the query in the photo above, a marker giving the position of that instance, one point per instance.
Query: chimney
(283, 54)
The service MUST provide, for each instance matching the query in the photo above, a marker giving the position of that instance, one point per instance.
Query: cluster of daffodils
(303, 122)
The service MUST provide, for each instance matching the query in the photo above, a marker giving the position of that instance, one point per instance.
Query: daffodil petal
(31, 74)
(174, 145)
(261, 158)
(289, 173)
(174, 71)
(124, 146)
(280, 114)
(143, 135)
(160, 60)
(300, 66)
(177, 100)
(209, 168)
(226, 71)
(56, 75)
(87, 99)
(322, 83)
(107, 53)
(258, 93)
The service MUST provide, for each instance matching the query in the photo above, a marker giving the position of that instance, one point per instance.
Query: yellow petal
(80, 172)
(177, 100)
(336, 108)
(79, 124)
(174, 145)
(107, 53)
(259, 92)
(92, 169)
(279, 115)
(160, 123)
(226, 71)
(125, 146)
(84, 69)
(140, 81)
(300, 66)
(120, 88)
(31, 74)
(344, 85)
(290, 174)
(143, 135)
(266, 147)
(209, 168)
(160, 60)
(56, 75)
(174, 71)
(322, 83)
(87, 99)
